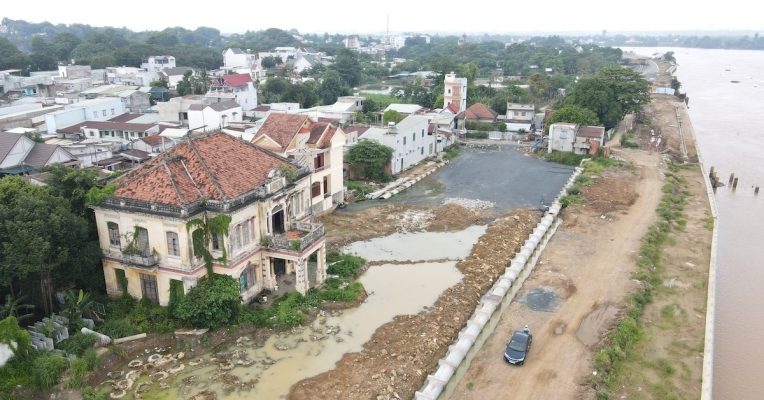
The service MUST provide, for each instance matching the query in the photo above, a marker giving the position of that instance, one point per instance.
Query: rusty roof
(282, 128)
(215, 167)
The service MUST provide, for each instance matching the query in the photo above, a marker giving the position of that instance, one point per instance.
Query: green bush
(574, 190)
(91, 358)
(117, 328)
(214, 302)
(343, 265)
(452, 151)
(477, 135)
(360, 189)
(629, 141)
(93, 394)
(47, 369)
(77, 343)
(77, 374)
(563, 157)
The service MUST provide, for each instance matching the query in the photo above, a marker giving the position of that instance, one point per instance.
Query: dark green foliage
(574, 114)
(77, 343)
(332, 86)
(93, 394)
(611, 93)
(47, 369)
(343, 265)
(360, 189)
(369, 159)
(452, 151)
(392, 116)
(628, 140)
(477, 135)
(201, 237)
(339, 290)
(214, 302)
(77, 373)
(563, 157)
(117, 328)
(348, 66)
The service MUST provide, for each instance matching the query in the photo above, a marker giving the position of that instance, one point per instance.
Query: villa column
(301, 275)
(321, 267)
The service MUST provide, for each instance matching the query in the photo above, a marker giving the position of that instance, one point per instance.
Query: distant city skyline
(332, 16)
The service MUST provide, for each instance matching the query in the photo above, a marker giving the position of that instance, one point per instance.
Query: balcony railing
(141, 260)
(309, 233)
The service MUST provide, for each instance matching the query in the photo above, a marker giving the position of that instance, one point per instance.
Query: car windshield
(518, 342)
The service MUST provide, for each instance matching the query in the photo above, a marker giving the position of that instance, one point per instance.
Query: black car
(518, 347)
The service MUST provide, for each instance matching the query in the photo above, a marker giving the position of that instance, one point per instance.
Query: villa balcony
(141, 260)
(301, 236)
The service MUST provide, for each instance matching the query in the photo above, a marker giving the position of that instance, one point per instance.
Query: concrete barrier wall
(453, 366)
(706, 391)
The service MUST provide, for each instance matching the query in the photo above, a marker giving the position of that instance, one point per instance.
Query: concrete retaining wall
(706, 391)
(483, 321)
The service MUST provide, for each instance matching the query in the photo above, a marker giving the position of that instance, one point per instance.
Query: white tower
(455, 91)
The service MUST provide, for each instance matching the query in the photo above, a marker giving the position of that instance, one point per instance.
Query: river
(726, 92)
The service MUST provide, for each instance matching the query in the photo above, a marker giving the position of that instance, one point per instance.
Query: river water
(728, 118)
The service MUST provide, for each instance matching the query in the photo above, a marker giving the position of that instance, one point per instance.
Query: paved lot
(501, 175)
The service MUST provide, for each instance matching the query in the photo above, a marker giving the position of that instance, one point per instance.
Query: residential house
(353, 134)
(176, 109)
(117, 133)
(22, 155)
(341, 112)
(520, 117)
(569, 137)
(305, 62)
(455, 92)
(480, 112)
(133, 99)
(237, 58)
(271, 242)
(99, 109)
(410, 140)
(317, 146)
(154, 144)
(211, 117)
(157, 63)
(237, 87)
(404, 109)
(90, 151)
(174, 75)
(130, 76)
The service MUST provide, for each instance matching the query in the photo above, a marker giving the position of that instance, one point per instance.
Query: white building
(410, 140)
(174, 75)
(237, 58)
(211, 117)
(117, 133)
(520, 117)
(158, 63)
(176, 109)
(100, 109)
(237, 87)
(315, 145)
(90, 151)
(569, 137)
(455, 92)
(20, 154)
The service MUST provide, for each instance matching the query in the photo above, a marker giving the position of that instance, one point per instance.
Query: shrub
(47, 369)
(214, 302)
(77, 374)
(360, 189)
(477, 135)
(563, 157)
(92, 394)
(91, 358)
(117, 328)
(344, 265)
(574, 190)
(452, 151)
(77, 343)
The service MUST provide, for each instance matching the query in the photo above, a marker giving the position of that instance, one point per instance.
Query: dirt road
(590, 285)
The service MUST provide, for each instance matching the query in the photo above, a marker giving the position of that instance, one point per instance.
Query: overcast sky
(362, 16)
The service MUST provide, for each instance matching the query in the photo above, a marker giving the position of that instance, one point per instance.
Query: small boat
(734, 81)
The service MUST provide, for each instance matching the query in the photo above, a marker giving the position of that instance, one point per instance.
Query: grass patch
(622, 342)
(563, 157)
(571, 199)
(451, 152)
(708, 222)
(628, 140)
(360, 189)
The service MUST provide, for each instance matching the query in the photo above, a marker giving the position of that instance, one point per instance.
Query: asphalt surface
(499, 174)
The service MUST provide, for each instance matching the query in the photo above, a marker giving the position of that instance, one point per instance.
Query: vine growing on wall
(202, 230)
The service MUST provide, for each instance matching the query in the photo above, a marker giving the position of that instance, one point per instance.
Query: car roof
(520, 335)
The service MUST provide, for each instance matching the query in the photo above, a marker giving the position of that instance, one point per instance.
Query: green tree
(72, 184)
(160, 83)
(391, 116)
(42, 241)
(631, 90)
(185, 86)
(214, 302)
(369, 159)
(63, 44)
(595, 94)
(332, 86)
(574, 114)
(349, 68)
(269, 62)
(302, 93)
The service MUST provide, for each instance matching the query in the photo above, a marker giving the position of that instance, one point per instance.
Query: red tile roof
(480, 111)
(591, 131)
(327, 140)
(215, 167)
(237, 79)
(107, 126)
(262, 108)
(126, 117)
(282, 128)
(453, 107)
(316, 131)
(155, 140)
(356, 128)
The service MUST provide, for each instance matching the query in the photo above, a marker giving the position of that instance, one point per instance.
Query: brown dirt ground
(588, 263)
(400, 354)
(610, 191)
(453, 217)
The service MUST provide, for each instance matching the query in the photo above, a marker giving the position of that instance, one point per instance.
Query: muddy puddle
(590, 330)
(247, 371)
(541, 299)
(421, 246)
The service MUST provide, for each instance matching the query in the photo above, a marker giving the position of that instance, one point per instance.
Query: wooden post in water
(734, 184)
(756, 191)
(732, 176)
